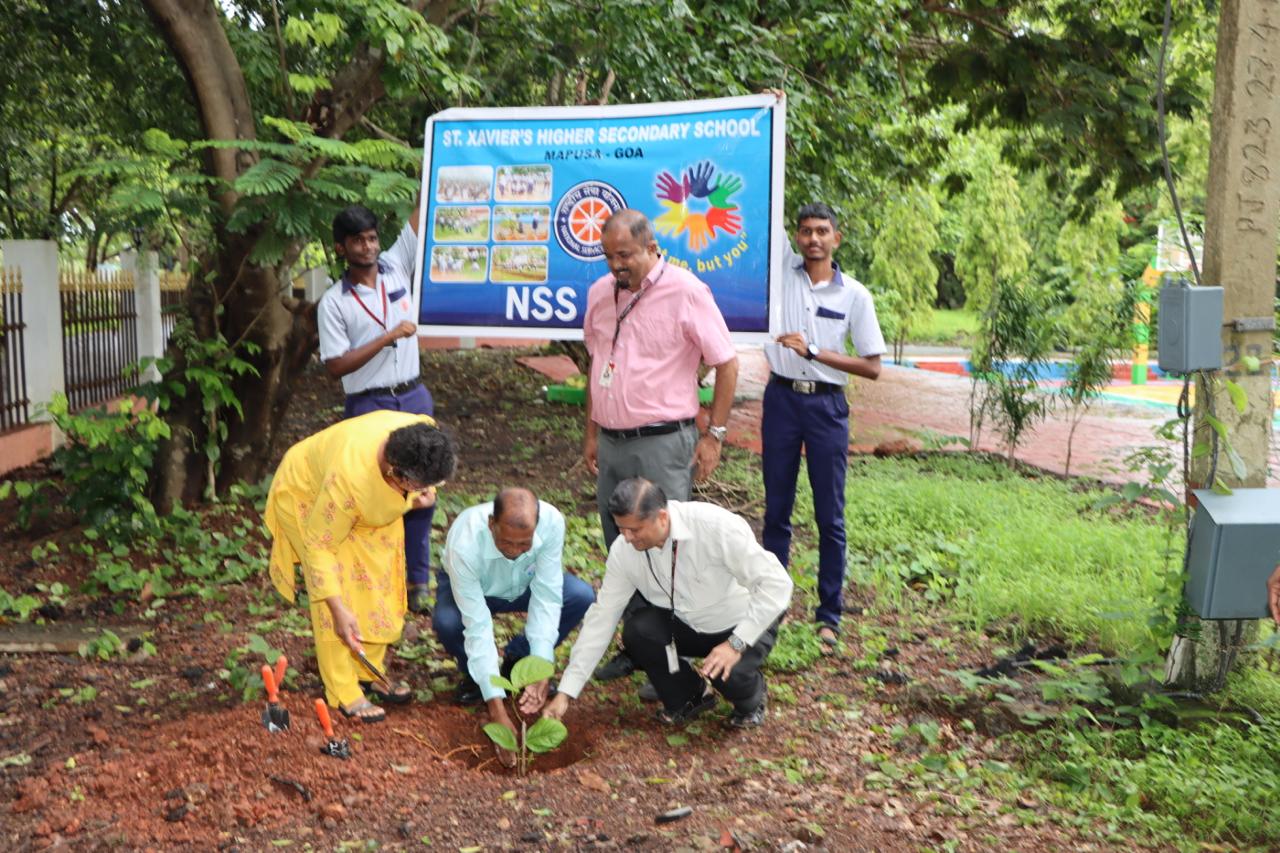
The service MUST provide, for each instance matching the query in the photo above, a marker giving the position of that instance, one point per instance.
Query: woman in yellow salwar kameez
(336, 506)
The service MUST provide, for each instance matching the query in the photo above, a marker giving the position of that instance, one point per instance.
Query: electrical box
(1190, 336)
(1235, 545)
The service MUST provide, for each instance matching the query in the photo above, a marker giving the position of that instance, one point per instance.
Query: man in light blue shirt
(505, 557)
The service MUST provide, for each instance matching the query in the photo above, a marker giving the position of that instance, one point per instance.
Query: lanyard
(617, 328)
(671, 592)
(382, 285)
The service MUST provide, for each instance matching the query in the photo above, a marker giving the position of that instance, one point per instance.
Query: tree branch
(384, 134)
(971, 17)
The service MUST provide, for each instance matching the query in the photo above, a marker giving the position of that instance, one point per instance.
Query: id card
(673, 658)
(606, 375)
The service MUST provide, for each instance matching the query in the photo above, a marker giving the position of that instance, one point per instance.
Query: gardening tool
(282, 667)
(275, 716)
(337, 747)
(377, 673)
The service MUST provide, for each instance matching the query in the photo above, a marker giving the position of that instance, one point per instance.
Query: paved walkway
(906, 401)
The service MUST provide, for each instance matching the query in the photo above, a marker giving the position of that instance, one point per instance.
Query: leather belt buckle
(804, 386)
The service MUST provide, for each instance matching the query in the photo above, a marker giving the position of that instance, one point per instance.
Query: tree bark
(251, 296)
(1241, 212)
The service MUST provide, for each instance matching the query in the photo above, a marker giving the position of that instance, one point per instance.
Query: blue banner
(515, 200)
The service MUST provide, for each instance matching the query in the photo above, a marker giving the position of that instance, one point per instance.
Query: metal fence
(173, 293)
(99, 335)
(15, 407)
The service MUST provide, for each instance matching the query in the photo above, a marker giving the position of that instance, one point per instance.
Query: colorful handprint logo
(697, 207)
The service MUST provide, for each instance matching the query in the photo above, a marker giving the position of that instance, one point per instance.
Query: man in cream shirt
(710, 591)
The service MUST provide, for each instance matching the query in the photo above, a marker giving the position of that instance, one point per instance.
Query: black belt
(393, 390)
(651, 429)
(806, 386)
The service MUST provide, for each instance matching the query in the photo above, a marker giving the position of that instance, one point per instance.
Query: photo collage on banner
(516, 201)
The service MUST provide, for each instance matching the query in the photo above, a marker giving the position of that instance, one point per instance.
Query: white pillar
(315, 282)
(146, 281)
(42, 311)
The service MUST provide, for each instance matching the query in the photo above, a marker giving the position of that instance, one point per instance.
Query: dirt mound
(200, 780)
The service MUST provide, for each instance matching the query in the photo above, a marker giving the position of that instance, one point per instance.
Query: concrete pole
(1241, 214)
(146, 278)
(42, 310)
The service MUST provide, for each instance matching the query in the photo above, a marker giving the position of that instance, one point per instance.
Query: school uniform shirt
(674, 325)
(477, 569)
(724, 580)
(826, 315)
(350, 315)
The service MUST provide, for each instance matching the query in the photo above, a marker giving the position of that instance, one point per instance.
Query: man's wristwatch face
(736, 643)
(717, 432)
(812, 352)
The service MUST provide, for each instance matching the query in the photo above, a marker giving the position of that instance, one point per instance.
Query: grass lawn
(955, 326)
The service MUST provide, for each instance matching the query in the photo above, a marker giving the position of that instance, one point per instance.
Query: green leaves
(268, 176)
(545, 735)
(502, 736)
(531, 670)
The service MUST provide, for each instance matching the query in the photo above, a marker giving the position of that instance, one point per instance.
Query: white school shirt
(826, 315)
(344, 325)
(724, 580)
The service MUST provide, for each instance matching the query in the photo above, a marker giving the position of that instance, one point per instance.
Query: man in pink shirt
(649, 324)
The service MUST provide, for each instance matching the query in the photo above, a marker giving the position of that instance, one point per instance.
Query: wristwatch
(736, 643)
(718, 432)
(812, 352)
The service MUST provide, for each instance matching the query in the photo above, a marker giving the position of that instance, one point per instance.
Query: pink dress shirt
(675, 325)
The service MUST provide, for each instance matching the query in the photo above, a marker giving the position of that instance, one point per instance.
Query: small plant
(244, 677)
(797, 649)
(545, 734)
(105, 646)
(21, 606)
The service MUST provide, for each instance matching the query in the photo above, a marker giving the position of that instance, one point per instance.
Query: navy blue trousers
(819, 423)
(576, 596)
(417, 524)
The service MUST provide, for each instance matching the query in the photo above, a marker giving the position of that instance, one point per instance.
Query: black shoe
(619, 666)
(467, 692)
(691, 710)
(751, 719)
(648, 693)
(419, 598)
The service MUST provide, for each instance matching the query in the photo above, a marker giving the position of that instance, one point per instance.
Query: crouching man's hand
(557, 707)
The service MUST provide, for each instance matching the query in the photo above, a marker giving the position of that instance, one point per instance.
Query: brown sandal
(364, 711)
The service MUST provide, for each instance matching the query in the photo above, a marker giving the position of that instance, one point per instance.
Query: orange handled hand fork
(337, 747)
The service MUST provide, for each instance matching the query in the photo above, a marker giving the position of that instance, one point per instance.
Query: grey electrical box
(1190, 336)
(1235, 545)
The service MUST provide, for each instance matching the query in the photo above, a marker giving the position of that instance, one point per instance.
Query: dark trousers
(646, 633)
(417, 524)
(576, 596)
(820, 424)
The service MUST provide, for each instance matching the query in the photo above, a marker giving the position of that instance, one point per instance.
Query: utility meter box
(1235, 545)
(1190, 336)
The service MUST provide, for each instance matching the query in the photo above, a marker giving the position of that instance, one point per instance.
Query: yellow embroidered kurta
(330, 510)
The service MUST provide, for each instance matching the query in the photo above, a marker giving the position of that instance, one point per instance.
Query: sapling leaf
(1252, 364)
(545, 735)
(1221, 488)
(530, 670)
(499, 681)
(502, 736)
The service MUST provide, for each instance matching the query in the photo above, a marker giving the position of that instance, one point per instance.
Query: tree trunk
(1240, 255)
(252, 297)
